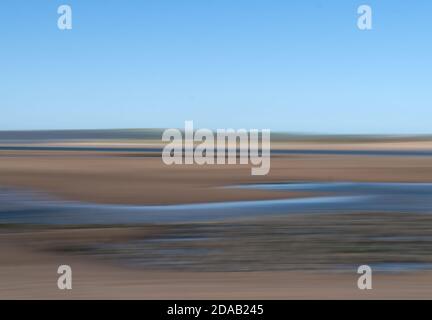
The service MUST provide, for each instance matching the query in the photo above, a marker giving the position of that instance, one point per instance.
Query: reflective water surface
(18, 206)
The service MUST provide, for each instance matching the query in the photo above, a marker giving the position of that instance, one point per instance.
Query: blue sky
(299, 66)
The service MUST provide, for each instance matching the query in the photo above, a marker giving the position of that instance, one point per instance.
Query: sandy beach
(32, 254)
(140, 179)
(32, 274)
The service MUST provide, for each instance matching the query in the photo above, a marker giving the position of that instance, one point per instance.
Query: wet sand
(29, 267)
(135, 179)
(27, 274)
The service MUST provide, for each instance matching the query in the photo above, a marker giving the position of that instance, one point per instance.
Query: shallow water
(390, 240)
(17, 206)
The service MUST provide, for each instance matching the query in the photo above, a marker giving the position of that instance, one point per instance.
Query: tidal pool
(18, 206)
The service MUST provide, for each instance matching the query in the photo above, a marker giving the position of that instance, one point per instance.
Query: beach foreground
(260, 257)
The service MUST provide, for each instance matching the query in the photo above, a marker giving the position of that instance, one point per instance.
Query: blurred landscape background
(103, 202)
(350, 181)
